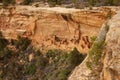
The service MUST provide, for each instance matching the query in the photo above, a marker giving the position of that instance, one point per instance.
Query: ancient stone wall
(53, 27)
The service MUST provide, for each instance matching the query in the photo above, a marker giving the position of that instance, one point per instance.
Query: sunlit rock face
(59, 28)
(110, 68)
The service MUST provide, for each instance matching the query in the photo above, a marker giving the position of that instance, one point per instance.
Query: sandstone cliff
(102, 63)
(53, 27)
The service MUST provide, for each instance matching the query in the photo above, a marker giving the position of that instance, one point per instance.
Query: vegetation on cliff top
(75, 3)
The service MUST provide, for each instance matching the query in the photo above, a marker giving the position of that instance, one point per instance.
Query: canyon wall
(54, 28)
(108, 60)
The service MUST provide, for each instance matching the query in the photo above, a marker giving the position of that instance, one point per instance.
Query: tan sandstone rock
(71, 27)
(110, 68)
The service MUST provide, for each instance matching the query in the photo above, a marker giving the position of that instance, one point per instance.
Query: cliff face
(108, 67)
(111, 68)
(53, 27)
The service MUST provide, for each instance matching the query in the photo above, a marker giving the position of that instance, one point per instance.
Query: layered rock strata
(59, 28)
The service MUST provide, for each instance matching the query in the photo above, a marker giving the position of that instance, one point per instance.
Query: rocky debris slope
(59, 28)
(102, 63)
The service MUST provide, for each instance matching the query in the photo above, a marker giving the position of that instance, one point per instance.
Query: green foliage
(53, 3)
(106, 27)
(38, 53)
(5, 53)
(22, 43)
(13, 71)
(27, 2)
(3, 42)
(92, 2)
(89, 65)
(77, 4)
(108, 2)
(62, 63)
(12, 1)
(116, 2)
(54, 64)
(93, 38)
(41, 61)
(7, 2)
(95, 54)
(51, 54)
(74, 1)
(96, 49)
(112, 2)
(10, 64)
(30, 69)
(63, 74)
(75, 57)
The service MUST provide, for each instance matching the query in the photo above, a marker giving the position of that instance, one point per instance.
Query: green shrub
(22, 43)
(93, 38)
(55, 64)
(3, 42)
(96, 51)
(52, 53)
(112, 2)
(5, 54)
(38, 53)
(89, 65)
(116, 2)
(41, 61)
(7, 2)
(30, 69)
(62, 63)
(75, 57)
(63, 74)
(92, 2)
(53, 3)
(107, 27)
(4, 51)
(95, 54)
(27, 2)
(13, 71)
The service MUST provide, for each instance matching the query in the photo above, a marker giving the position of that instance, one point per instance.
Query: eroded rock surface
(110, 68)
(59, 28)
